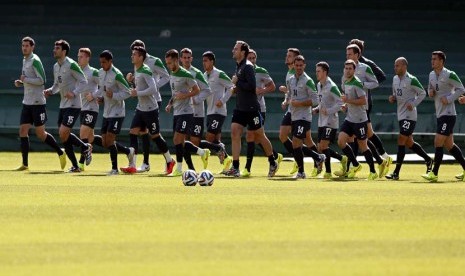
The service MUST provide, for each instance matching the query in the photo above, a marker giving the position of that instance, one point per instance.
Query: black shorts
(112, 125)
(253, 120)
(182, 123)
(146, 120)
(445, 125)
(300, 128)
(33, 114)
(286, 121)
(89, 118)
(357, 129)
(215, 123)
(68, 116)
(406, 127)
(327, 133)
(197, 127)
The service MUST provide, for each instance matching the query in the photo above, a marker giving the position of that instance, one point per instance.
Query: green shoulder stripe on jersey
(39, 67)
(355, 82)
(335, 91)
(224, 76)
(261, 70)
(199, 76)
(145, 69)
(119, 77)
(415, 82)
(369, 71)
(159, 63)
(453, 76)
(310, 84)
(75, 67)
(182, 73)
(94, 72)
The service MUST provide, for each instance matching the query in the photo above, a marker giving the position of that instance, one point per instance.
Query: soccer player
(90, 107)
(265, 84)
(183, 88)
(369, 82)
(70, 82)
(408, 93)
(34, 111)
(355, 122)
(444, 87)
(114, 89)
(286, 122)
(220, 85)
(380, 77)
(247, 111)
(330, 104)
(147, 109)
(302, 95)
(161, 77)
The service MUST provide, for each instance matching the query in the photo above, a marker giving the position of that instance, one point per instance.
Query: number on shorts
(328, 131)
(406, 125)
(214, 124)
(197, 129)
(42, 117)
(154, 127)
(115, 126)
(300, 129)
(89, 118)
(183, 126)
(256, 120)
(70, 120)
(444, 126)
(362, 131)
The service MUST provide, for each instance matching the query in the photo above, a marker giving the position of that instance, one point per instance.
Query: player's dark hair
(106, 54)
(354, 49)
(295, 51)
(173, 53)
(324, 65)
(87, 51)
(244, 47)
(28, 39)
(141, 50)
(299, 58)
(64, 45)
(210, 55)
(360, 43)
(137, 42)
(440, 54)
(350, 62)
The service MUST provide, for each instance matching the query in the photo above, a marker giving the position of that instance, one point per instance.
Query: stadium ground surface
(91, 224)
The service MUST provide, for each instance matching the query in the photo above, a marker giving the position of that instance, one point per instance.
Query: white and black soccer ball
(189, 178)
(206, 178)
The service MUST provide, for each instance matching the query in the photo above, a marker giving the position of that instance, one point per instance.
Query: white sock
(179, 166)
(385, 155)
(167, 156)
(200, 151)
(133, 164)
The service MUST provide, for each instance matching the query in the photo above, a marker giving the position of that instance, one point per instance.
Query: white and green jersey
(68, 77)
(366, 76)
(220, 85)
(182, 81)
(353, 90)
(92, 87)
(114, 81)
(446, 84)
(146, 89)
(198, 101)
(289, 74)
(159, 73)
(329, 97)
(301, 88)
(262, 78)
(407, 89)
(34, 82)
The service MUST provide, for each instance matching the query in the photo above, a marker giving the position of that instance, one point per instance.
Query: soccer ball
(189, 178)
(206, 178)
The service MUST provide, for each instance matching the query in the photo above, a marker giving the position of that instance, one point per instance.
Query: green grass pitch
(55, 223)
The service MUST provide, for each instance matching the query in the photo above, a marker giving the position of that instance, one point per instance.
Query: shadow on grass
(48, 172)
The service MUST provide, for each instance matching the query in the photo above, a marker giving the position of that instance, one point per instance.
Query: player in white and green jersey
(90, 107)
(161, 77)
(408, 93)
(70, 82)
(114, 89)
(264, 85)
(220, 85)
(33, 111)
(355, 122)
(329, 104)
(369, 82)
(183, 88)
(444, 86)
(302, 94)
